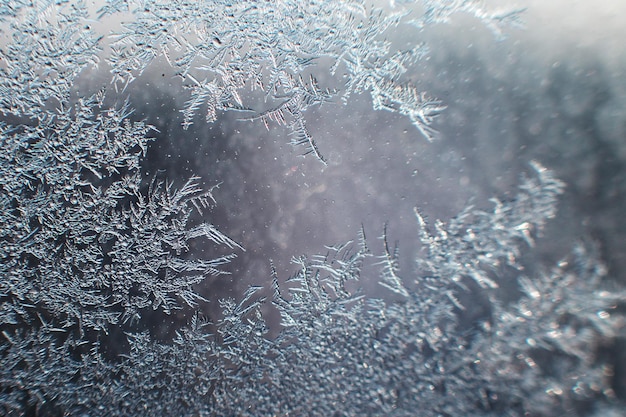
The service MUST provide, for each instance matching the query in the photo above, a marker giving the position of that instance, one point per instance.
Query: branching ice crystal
(224, 50)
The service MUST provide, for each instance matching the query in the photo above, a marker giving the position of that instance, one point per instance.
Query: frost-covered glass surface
(164, 251)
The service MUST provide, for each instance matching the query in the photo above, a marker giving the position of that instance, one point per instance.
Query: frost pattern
(79, 237)
(88, 249)
(440, 11)
(339, 351)
(51, 44)
(223, 50)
